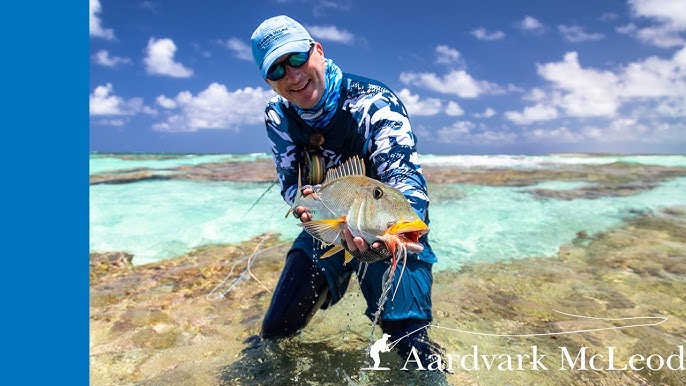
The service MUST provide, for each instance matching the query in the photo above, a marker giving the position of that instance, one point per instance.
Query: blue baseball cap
(275, 37)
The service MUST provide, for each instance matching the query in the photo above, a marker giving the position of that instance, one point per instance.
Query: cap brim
(287, 48)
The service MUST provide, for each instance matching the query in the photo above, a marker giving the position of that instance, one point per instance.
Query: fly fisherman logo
(380, 345)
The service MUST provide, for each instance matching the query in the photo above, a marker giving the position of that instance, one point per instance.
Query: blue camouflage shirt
(366, 119)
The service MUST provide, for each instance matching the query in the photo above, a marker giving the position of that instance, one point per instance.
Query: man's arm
(285, 153)
(393, 151)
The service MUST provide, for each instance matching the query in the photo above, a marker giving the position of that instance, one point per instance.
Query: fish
(348, 199)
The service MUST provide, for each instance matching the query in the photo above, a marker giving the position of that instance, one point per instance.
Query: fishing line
(658, 320)
(216, 293)
(261, 196)
(244, 275)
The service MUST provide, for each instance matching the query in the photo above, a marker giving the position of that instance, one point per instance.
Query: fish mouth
(409, 232)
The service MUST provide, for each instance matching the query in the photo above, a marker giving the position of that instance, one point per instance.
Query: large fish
(370, 209)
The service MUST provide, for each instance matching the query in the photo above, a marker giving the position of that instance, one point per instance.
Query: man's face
(304, 85)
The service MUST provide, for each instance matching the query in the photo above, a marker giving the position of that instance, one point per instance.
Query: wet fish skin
(368, 208)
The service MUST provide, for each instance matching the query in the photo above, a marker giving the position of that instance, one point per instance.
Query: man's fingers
(349, 241)
(361, 244)
(303, 213)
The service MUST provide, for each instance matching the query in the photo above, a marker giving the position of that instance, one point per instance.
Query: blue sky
(478, 77)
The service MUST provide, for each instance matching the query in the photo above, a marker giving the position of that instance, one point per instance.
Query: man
(324, 115)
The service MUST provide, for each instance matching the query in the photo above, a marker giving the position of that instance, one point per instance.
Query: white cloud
(488, 113)
(530, 23)
(644, 98)
(576, 34)
(585, 92)
(530, 114)
(159, 59)
(166, 102)
(655, 78)
(456, 82)
(560, 134)
(103, 102)
(111, 122)
(467, 132)
(103, 58)
(214, 108)
(482, 34)
(415, 106)
(453, 109)
(331, 33)
(95, 24)
(240, 49)
(670, 12)
(670, 18)
(447, 55)
(659, 36)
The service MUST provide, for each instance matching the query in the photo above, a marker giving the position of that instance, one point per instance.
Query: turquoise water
(155, 220)
(498, 223)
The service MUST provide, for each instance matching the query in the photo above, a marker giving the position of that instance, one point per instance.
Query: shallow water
(495, 223)
(155, 220)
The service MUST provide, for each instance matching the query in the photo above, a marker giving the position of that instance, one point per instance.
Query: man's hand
(362, 251)
(303, 212)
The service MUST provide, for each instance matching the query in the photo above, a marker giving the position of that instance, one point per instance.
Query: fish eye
(378, 193)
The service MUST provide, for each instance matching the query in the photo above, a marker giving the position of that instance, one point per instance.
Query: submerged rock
(154, 324)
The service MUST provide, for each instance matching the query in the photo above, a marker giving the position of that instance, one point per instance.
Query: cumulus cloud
(530, 23)
(467, 132)
(240, 49)
(669, 17)
(159, 59)
(331, 33)
(103, 58)
(102, 101)
(488, 113)
(585, 92)
(530, 114)
(649, 88)
(447, 55)
(453, 109)
(482, 34)
(456, 82)
(576, 34)
(214, 108)
(165, 102)
(415, 106)
(95, 24)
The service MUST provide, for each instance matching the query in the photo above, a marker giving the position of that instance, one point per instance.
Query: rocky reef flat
(614, 179)
(162, 323)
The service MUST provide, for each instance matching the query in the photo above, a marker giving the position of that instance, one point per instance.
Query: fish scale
(366, 207)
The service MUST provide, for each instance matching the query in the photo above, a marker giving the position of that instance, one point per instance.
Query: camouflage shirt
(370, 121)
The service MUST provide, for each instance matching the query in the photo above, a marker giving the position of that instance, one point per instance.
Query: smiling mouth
(301, 88)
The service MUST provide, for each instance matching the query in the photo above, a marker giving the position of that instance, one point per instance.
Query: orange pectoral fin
(327, 230)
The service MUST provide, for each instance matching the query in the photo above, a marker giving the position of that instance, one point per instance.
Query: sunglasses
(296, 59)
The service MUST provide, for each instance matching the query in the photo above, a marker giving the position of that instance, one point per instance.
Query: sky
(477, 77)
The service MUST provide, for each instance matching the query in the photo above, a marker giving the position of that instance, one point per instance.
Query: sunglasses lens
(276, 72)
(298, 59)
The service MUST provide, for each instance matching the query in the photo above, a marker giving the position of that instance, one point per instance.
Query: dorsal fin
(352, 167)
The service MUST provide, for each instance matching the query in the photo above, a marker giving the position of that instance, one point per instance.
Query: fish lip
(413, 247)
(409, 233)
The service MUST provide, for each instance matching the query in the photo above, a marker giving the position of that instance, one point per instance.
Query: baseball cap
(275, 37)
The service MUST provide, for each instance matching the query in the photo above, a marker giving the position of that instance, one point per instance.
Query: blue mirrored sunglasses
(296, 59)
